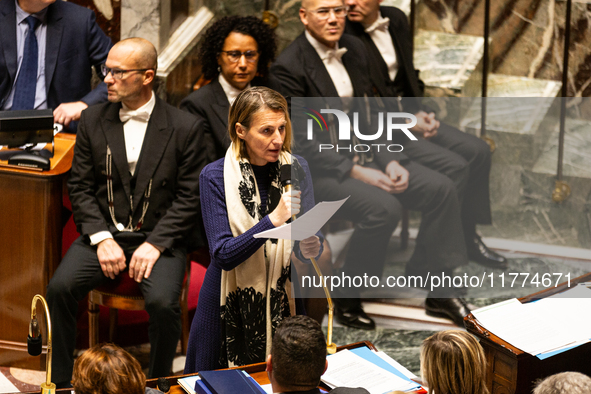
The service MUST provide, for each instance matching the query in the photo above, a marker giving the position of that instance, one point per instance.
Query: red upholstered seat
(132, 323)
(122, 286)
(123, 293)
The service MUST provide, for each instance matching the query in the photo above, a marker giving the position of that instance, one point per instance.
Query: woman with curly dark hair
(235, 53)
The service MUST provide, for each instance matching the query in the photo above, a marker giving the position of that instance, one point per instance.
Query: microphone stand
(331, 347)
(35, 335)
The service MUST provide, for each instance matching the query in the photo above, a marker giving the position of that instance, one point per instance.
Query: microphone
(286, 177)
(34, 340)
(163, 385)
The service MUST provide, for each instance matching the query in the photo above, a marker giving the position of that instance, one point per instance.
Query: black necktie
(26, 83)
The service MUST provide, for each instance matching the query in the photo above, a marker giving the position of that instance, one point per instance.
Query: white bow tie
(382, 25)
(335, 53)
(126, 114)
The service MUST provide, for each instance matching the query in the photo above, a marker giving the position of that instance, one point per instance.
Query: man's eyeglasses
(117, 73)
(324, 13)
(234, 56)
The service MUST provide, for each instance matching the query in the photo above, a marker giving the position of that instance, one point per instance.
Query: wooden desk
(30, 246)
(257, 371)
(510, 370)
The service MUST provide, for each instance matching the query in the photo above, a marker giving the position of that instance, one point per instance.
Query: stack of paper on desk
(374, 371)
(543, 326)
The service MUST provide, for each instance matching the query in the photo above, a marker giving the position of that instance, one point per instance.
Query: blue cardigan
(227, 252)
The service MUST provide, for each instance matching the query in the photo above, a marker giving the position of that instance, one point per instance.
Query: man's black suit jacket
(75, 43)
(172, 156)
(406, 77)
(301, 73)
(210, 104)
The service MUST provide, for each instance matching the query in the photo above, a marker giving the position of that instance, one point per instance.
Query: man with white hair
(564, 383)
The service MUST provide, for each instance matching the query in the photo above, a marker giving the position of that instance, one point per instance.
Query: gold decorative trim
(271, 19)
(491, 143)
(561, 191)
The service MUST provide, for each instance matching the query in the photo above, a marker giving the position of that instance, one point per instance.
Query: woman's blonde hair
(247, 104)
(108, 369)
(453, 362)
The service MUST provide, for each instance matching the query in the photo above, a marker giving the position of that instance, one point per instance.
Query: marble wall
(527, 36)
(141, 18)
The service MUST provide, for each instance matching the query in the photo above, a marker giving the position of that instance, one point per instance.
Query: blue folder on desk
(372, 357)
(227, 382)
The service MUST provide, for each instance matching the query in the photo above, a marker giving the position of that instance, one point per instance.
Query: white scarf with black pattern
(259, 289)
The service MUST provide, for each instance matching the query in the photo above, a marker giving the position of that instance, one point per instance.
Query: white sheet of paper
(396, 365)
(6, 386)
(306, 225)
(346, 369)
(541, 326)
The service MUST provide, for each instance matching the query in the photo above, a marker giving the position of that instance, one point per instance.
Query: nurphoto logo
(395, 122)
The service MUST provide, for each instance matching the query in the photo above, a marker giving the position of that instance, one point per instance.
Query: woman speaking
(247, 288)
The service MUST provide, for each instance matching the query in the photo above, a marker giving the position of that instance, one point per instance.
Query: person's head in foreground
(107, 369)
(453, 362)
(564, 383)
(259, 125)
(298, 355)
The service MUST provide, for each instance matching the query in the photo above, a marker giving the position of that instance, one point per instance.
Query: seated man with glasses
(325, 63)
(134, 193)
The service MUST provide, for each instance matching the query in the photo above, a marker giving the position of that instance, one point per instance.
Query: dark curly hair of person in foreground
(213, 42)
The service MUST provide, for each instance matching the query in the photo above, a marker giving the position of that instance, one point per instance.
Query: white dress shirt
(231, 91)
(22, 30)
(334, 65)
(378, 31)
(134, 131)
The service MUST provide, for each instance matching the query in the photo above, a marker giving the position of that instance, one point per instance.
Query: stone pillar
(149, 19)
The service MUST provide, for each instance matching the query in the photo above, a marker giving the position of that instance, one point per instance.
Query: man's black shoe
(481, 254)
(450, 308)
(355, 318)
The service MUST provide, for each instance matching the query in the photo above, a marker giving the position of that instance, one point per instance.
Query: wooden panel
(510, 370)
(30, 250)
(111, 23)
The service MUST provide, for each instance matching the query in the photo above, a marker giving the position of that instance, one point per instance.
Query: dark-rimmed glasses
(234, 56)
(117, 73)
